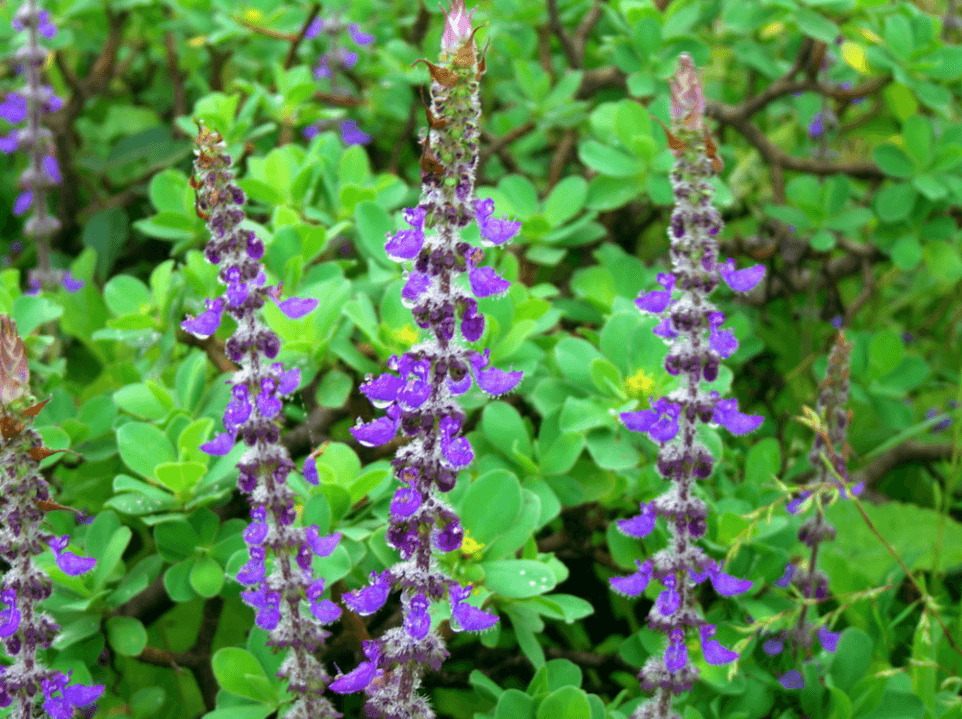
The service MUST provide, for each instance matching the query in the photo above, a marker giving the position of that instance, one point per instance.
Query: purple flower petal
(374, 434)
(361, 38)
(352, 135)
(792, 680)
(354, 681)
(642, 525)
(220, 445)
(23, 202)
(369, 599)
(296, 307)
(485, 282)
(633, 584)
(828, 639)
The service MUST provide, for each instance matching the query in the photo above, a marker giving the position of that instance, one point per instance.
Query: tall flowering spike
(286, 598)
(687, 96)
(24, 498)
(692, 326)
(43, 172)
(419, 397)
(830, 444)
(14, 372)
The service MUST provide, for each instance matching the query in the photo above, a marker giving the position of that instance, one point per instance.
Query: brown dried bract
(465, 56)
(429, 163)
(34, 410)
(481, 64)
(436, 123)
(10, 427)
(673, 142)
(717, 164)
(441, 75)
(200, 213)
(39, 453)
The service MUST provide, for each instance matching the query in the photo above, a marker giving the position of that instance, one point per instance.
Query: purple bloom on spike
(792, 680)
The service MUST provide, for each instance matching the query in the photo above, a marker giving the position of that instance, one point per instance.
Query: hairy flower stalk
(419, 399)
(829, 448)
(251, 415)
(43, 172)
(24, 498)
(672, 420)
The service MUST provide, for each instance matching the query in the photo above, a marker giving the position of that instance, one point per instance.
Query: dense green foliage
(840, 126)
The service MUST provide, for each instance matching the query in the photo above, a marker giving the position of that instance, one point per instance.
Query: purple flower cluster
(419, 398)
(334, 59)
(830, 440)
(24, 492)
(671, 422)
(276, 592)
(43, 172)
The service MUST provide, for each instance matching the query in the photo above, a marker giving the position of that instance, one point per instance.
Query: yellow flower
(197, 41)
(639, 384)
(854, 55)
(469, 545)
(406, 335)
(772, 29)
(252, 15)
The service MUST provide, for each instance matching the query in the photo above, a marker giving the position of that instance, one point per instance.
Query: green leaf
(562, 454)
(170, 192)
(897, 703)
(503, 426)
(373, 226)
(863, 553)
(565, 200)
(895, 202)
(885, 352)
(764, 459)
(126, 635)
(334, 389)
(607, 193)
(31, 311)
(607, 378)
(611, 450)
(930, 186)
(633, 129)
(512, 341)
(609, 161)
(109, 557)
(906, 253)
(138, 400)
(565, 703)
(206, 577)
(179, 477)
(518, 578)
(261, 191)
(900, 100)
(190, 380)
(106, 232)
(355, 169)
(143, 447)
(893, 161)
(520, 531)
(491, 505)
(514, 704)
(238, 672)
(917, 133)
(790, 216)
(898, 35)
(816, 26)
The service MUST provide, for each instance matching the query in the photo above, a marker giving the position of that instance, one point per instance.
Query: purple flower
(257, 389)
(352, 135)
(815, 127)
